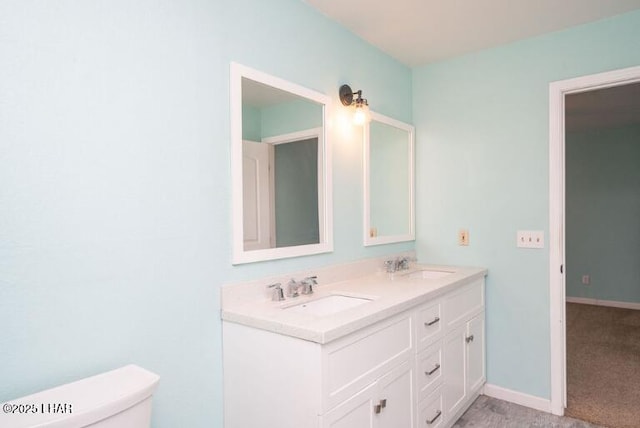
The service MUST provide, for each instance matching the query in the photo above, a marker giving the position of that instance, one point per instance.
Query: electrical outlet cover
(463, 237)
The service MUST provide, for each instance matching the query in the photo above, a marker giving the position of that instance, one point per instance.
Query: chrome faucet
(403, 263)
(295, 288)
(399, 263)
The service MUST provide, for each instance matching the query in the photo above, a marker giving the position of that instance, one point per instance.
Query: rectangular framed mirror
(389, 211)
(280, 161)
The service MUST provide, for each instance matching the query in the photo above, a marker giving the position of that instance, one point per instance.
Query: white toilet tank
(120, 398)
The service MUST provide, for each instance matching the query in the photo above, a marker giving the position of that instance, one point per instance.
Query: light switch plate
(530, 239)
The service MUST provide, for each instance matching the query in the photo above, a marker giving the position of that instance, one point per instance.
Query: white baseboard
(516, 397)
(611, 303)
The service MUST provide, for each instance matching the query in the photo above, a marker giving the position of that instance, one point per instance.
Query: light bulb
(361, 115)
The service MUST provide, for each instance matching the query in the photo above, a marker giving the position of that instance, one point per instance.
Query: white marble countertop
(390, 294)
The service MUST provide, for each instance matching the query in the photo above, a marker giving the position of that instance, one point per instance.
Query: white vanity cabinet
(414, 369)
(364, 379)
(387, 403)
(463, 350)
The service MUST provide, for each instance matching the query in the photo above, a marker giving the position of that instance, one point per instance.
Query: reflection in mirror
(388, 178)
(281, 205)
(280, 163)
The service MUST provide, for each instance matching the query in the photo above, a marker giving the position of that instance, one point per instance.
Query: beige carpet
(603, 365)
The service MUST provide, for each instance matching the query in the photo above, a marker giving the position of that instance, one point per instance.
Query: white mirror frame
(379, 240)
(325, 206)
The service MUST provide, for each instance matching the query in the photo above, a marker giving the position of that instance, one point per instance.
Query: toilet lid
(81, 403)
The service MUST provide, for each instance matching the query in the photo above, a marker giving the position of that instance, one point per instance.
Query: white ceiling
(417, 32)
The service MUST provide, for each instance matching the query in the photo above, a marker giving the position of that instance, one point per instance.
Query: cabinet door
(356, 412)
(475, 353)
(396, 398)
(454, 386)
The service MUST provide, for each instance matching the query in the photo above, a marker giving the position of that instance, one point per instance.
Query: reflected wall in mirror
(388, 181)
(280, 164)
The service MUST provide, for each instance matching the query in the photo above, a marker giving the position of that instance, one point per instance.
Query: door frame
(557, 280)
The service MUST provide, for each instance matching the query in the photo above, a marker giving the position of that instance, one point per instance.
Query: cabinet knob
(430, 421)
(469, 339)
(429, 373)
(430, 323)
(381, 405)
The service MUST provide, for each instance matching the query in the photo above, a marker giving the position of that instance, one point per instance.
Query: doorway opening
(568, 113)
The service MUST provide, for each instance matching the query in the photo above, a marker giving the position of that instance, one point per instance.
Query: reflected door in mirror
(257, 195)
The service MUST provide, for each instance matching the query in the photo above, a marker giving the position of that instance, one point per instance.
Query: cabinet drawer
(429, 324)
(464, 303)
(352, 363)
(430, 411)
(429, 370)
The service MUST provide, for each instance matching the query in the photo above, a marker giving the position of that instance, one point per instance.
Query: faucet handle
(390, 266)
(277, 295)
(308, 283)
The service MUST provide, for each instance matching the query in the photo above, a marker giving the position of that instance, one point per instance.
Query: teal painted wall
(603, 213)
(280, 119)
(251, 123)
(482, 163)
(115, 214)
(290, 117)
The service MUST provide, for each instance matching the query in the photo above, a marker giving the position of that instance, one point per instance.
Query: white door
(256, 196)
(475, 353)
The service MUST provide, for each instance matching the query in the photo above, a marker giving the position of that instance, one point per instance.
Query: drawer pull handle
(433, 371)
(435, 320)
(430, 421)
(383, 403)
(469, 339)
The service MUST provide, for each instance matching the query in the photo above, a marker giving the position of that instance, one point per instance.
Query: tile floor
(487, 412)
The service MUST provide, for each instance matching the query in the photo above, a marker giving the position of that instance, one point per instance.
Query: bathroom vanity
(409, 351)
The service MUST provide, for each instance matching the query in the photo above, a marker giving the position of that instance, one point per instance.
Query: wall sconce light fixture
(348, 97)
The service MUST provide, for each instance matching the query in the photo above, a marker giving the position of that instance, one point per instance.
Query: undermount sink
(328, 305)
(429, 274)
